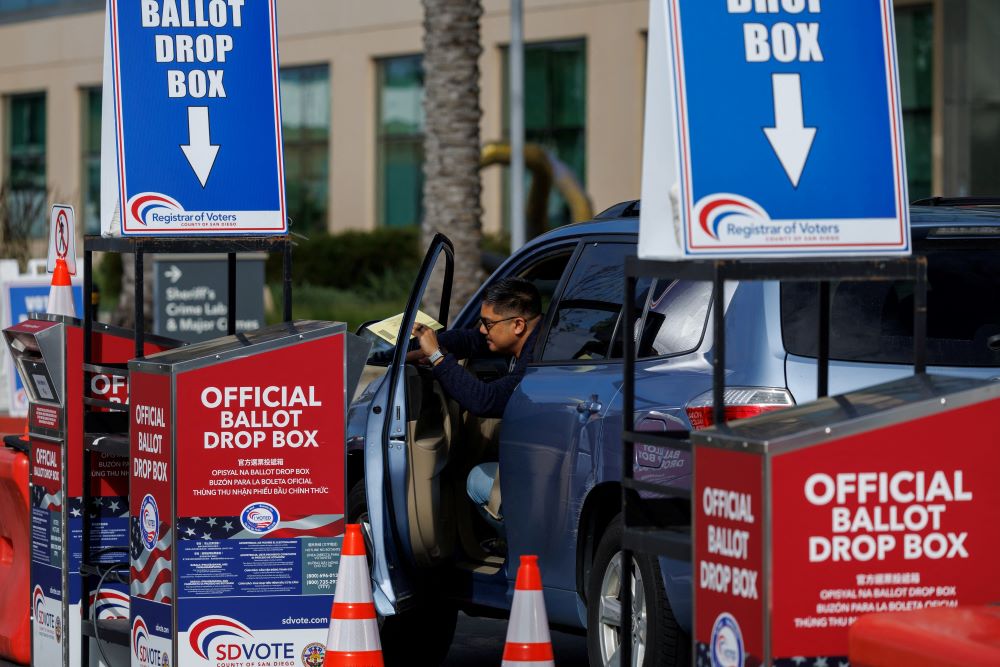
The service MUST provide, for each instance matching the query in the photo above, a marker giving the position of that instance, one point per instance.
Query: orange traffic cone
(61, 292)
(528, 641)
(26, 437)
(353, 640)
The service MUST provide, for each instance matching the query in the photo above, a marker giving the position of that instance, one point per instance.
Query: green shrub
(108, 278)
(342, 260)
(375, 298)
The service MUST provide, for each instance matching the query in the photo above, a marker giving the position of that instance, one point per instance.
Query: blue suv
(410, 448)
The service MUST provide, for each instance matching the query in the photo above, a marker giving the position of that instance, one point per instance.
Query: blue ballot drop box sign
(785, 132)
(197, 117)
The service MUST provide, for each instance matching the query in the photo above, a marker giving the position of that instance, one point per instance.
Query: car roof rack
(957, 201)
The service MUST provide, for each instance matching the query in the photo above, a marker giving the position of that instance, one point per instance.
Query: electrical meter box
(48, 353)
(237, 497)
(883, 499)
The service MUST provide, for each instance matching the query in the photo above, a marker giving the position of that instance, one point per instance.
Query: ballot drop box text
(237, 498)
(883, 499)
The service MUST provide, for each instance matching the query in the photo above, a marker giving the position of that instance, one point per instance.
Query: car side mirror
(360, 330)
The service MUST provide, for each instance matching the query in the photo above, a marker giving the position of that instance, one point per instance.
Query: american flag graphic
(109, 603)
(41, 498)
(106, 507)
(230, 528)
(151, 569)
(101, 507)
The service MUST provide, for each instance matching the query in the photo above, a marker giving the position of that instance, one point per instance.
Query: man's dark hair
(514, 297)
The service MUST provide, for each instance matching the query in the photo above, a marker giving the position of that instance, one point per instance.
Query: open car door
(397, 453)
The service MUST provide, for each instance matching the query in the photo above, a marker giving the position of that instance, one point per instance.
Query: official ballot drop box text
(883, 499)
(237, 497)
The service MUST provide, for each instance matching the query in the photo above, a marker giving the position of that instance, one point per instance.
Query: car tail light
(740, 402)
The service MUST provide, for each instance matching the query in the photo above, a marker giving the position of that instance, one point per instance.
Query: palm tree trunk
(451, 141)
(124, 313)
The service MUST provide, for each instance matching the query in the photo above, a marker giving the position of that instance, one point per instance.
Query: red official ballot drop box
(237, 497)
(804, 519)
(48, 351)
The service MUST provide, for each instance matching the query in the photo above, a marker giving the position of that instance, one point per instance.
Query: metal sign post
(779, 135)
(197, 118)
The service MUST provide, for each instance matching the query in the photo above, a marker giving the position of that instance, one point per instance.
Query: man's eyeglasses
(489, 324)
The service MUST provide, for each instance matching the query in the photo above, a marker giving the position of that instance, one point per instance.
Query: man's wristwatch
(435, 356)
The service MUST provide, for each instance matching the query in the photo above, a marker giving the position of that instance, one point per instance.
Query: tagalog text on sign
(197, 117)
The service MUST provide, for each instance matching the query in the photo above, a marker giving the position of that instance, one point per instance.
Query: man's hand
(427, 339)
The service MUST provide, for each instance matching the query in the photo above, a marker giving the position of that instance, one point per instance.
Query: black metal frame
(675, 541)
(117, 443)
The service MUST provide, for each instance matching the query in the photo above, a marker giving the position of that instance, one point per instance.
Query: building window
(555, 110)
(21, 5)
(26, 160)
(24, 10)
(400, 141)
(305, 123)
(915, 41)
(91, 186)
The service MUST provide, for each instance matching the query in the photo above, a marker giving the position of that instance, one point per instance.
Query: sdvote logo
(48, 623)
(144, 654)
(224, 639)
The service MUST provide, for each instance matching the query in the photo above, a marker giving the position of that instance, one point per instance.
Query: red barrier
(963, 637)
(15, 555)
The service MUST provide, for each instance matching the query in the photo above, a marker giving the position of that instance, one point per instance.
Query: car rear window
(675, 318)
(873, 321)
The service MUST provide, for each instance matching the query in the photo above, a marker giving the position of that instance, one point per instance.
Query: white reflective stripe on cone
(353, 584)
(528, 621)
(533, 663)
(347, 636)
(61, 301)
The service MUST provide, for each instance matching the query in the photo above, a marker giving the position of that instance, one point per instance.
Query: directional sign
(197, 117)
(777, 126)
(191, 299)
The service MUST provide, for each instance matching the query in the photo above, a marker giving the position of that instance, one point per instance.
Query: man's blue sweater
(482, 399)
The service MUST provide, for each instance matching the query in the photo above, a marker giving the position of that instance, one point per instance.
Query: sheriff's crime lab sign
(781, 119)
(197, 117)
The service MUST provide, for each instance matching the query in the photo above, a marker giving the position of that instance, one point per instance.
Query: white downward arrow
(789, 139)
(199, 151)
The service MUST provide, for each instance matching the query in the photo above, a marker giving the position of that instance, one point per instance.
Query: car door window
(587, 314)
(546, 274)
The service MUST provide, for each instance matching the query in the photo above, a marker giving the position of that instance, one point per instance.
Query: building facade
(351, 84)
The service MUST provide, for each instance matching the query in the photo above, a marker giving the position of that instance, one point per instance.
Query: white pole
(516, 96)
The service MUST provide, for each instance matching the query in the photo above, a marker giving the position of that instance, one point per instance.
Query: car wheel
(657, 640)
(427, 628)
